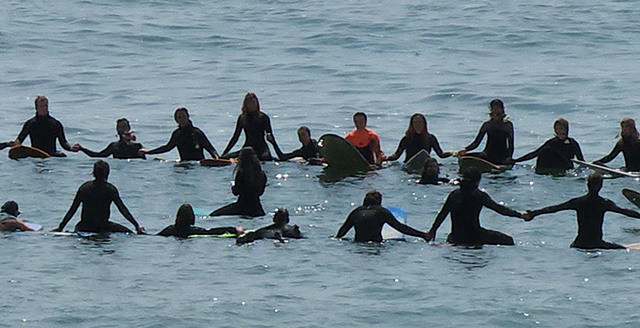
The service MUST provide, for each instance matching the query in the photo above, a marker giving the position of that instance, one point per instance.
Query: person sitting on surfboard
(249, 184)
(256, 126)
(590, 210)
(189, 139)
(124, 148)
(369, 219)
(184, 226)
(309, 150)
(628, 144)
(499, 131)
(96, 197)
(464, 205)
(557, 152)
(9, 218)
(366, 141)
(416, 138)
(43, 130)
(278, 230)
(431, 173)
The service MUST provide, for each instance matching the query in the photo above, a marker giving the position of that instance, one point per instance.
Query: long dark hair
(185, 217)
(248, 167)
(412, 132)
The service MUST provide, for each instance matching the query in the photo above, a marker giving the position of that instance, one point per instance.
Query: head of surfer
(123, 128)
(101, 170)
(10, 208)
(372, 197)
(430, 170)
(594, 183)
(496, 110)
(561, 128)
(281, 217)
(417, 125)
(628, 128)
(181, 115)
(250, 104)
(304, 135)
(360, 120)
(42, 106)
(470, 179)
(185, 217)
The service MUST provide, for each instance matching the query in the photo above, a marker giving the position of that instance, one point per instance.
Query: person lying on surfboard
(124, 148)
(184, 226)
(499, 131)
(416, 138)
(43, 130)
(431, 173)
(628, 144)
(366, 141)
(278, 230)
(590, 210)
(369, 219)
(557, 152)
(96, 197)
(9, 218)
(309, 150)
(464, 205)
(256, 126)
(189, 139)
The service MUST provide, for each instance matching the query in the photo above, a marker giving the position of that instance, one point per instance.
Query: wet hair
(249, 167)
(594, 182)
(496, 103)
(185, 216)
(632, 122)
(123, 120)
(181, 109)
(470, 179)
(281, 216)
(40, 98)
(247, 97)
(305, 129)
(372, 197)
(101, 170)
(11, 208)
(360, 114)
(561, 122)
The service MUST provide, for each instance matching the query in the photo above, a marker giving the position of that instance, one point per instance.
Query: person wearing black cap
(8, 220)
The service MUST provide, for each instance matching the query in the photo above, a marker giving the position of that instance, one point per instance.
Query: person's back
(368, 223)
(465, 212)
(96, 197)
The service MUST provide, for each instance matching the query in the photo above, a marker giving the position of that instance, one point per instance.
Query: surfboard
(606, 169)
(632, 246)
(341, 155)
(18, 152)
(224, 235)
(482, 165)
(34, 226)
(416, 162)
(389, 233)
(632, 195)
(215, 162)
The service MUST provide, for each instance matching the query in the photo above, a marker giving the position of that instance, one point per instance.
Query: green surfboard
(415, 163)
(341, 155)
(482, 165)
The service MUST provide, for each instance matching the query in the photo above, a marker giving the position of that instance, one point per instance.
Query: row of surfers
(463, 205)
(556, 153)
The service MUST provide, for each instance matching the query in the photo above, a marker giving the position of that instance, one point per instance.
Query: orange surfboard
(18, 152)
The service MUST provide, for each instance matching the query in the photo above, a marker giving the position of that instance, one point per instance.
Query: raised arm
(236, 135)
(125, 212)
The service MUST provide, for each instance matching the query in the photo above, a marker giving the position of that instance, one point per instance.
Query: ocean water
(315, 63)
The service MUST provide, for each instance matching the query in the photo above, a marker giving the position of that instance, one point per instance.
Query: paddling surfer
(365, 140)
(499, 131)
(590, 210)
(278, 230)
(124, 148)
(9, 218)
(369, 219)
(416, 138)
(96, 197)
(184, 226)
(309, 150)
(628, 144)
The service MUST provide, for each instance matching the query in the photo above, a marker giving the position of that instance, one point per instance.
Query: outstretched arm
(476, 142)
(236, 135)
(347, 225)
(104, 153)
(398, 151)
(403, 228)
(578, 151)
(624, 211)
(125, 212)
(532, 154)
(206, 144)
(436, 147)
(72, 210)
(281, 156)
(173, 142)
(490, 203)
(446, 209)
(614, 152)
(568, 205)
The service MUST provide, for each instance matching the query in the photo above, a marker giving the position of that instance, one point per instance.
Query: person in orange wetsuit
(366, 141)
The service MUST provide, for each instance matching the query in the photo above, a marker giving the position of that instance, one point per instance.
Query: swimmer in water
(43, 131)
(590, 210)
(249, 184)
(189, 139)
(557, 152)
(278, 230)
(96, 197)
(628, 144)
(9, 218)
(369, 218)
(184, 226)
(499, 131)
(416, 138)
(124, 148)
(431, 173)
(366, 141)
(464, 205)
(256, 126)
(309, 150)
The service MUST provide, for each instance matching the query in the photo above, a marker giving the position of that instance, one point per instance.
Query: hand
(76, 147)
(142, 152)
(527, 216)
(429, 236)
(462, 152)
(55, 230)
(14, 143)
(239, 230)
(140, 230)
(270, 138)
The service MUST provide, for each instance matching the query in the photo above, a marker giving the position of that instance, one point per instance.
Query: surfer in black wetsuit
(464, 205)
(590, 210)
(309, 150)
(431, 173)
(184, 226)
(369, 218)
(96, 197)
(124, 148)
(189, 139)
(557, 152)
(416, 138)
(9, 218)
(278, 230)
(256, 126)
(628, 144)
(249, 185)
(499, 131)
(44, 130)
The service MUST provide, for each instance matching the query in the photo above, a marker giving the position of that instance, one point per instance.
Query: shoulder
(351, 134)
(371, 133)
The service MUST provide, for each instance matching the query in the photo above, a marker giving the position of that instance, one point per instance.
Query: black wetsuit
(308, 151)
(631, 152)
(4, 145)
(96, 198)
(433, 181)
(590, 210)
(271, 232)
(255, 126)
(499, 146)
(465, 207)
(43, 131)
(248, 192)
(193, 230)
(121, 149)
(190, 142)
(416, 142)
(368, 222)
(555, 153)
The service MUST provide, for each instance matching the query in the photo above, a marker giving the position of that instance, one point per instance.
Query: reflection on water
(470, 258)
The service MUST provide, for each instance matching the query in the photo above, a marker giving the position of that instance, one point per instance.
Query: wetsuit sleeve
(26, 130)
(206, 144)
(62, 139)
(446, 209)
(348, 224)
(490, 203)
(511, 141)
(616, 150)
(403, 228)
(436, 147)
(568, 205)
(104, 153)
(285, 156)
(532, 154)
(4, 145)
(236, 135)
(611, 206)
(72, 210)
(401, 148)
(476, 142)
(123, 209)
(173, 142)
(578, 151)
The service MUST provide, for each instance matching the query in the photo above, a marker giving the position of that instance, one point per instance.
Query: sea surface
(315, 63)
